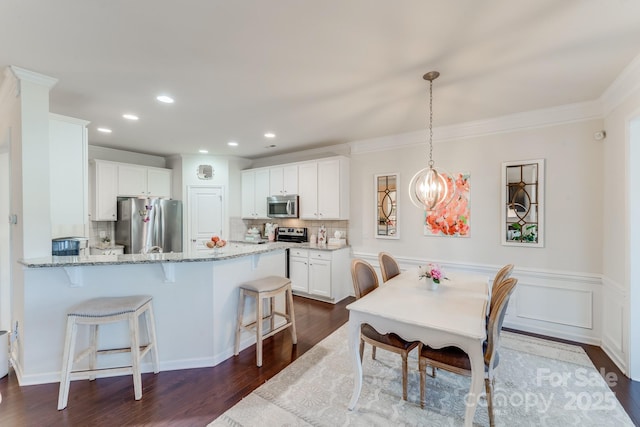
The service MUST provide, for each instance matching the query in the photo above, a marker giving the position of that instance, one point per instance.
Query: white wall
(621, 299)
(559, 284)
(5, 276)
(573, 189)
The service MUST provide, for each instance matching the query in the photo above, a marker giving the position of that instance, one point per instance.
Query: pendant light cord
(431, 123)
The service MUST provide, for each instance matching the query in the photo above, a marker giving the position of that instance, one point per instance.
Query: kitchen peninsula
(195, 300)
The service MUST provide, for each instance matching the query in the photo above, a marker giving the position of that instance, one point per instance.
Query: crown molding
(514, 122)
(303, 155)
(622, 87)
(33, 77)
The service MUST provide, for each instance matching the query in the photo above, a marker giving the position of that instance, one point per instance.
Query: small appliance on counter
(69, 246)
(292, 234)
(253, 236)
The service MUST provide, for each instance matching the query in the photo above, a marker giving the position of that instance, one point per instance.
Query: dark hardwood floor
(195, 397)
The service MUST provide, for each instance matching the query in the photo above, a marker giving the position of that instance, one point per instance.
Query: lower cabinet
(320, 274)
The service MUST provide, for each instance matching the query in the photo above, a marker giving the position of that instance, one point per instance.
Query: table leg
(477, 379)
(354, 352)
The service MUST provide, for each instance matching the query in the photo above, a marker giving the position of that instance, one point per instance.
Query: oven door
(282, 207)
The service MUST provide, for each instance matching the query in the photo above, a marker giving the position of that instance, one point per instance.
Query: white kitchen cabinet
(103, 181)
(321, 274)
(255, 190)
(283, 180)
(110, 180)
(299, 272)
(324, 189)
(136, 180)
(68, 174)
(159, 182)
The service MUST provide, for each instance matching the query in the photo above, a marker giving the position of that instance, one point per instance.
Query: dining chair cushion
(388, 339)
(454, 356)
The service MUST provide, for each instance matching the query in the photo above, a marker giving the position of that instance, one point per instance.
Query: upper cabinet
(136, 180)
(283, 180)
(68, 170)
(103, 180)
(324, 189)
(110, 180)
(255, 190)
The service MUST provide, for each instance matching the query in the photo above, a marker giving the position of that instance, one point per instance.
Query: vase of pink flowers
(432, 274)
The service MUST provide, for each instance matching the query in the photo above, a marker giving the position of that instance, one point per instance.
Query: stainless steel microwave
(282, 206)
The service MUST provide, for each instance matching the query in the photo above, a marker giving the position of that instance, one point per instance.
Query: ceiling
(315, 73)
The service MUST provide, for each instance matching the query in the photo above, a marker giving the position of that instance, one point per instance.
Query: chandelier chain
(430, 123)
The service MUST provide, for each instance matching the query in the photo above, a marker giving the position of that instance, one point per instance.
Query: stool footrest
(276, 330)
(86, 374)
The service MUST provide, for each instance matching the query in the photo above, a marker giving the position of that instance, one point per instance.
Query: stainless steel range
(292, 234)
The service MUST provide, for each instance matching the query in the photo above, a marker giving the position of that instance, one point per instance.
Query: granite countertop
(231, 250)
(320, 248)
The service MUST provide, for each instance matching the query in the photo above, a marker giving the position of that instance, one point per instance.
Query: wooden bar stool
(261, 289)
(100, 311)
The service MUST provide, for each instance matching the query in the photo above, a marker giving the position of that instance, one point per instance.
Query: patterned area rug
(538, 383)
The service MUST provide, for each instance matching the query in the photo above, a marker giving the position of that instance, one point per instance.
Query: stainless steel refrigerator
(149, 225)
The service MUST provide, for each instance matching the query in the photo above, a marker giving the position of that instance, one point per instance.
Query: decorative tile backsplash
(99, 228)
(313, 226)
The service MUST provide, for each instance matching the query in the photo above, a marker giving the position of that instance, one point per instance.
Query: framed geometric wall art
(522, 209)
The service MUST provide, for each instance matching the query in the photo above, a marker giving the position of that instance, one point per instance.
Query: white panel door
(206, 216)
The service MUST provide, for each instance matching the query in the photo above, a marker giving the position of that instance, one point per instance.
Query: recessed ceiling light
(203, 151)
(232, 144)
(270, 146)
(104, 130)
(164, 98)
(269, 135)
(130, 116)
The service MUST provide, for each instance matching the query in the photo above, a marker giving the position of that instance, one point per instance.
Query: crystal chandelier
(430, 188)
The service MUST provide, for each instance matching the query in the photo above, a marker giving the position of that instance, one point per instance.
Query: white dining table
(454, 314)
